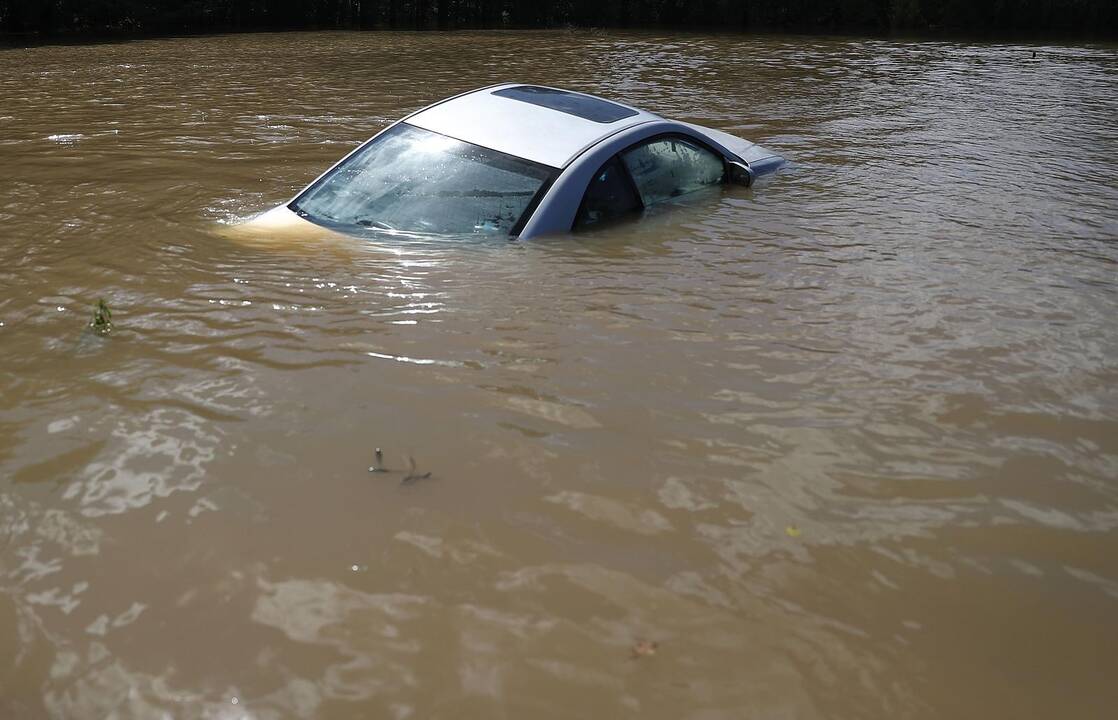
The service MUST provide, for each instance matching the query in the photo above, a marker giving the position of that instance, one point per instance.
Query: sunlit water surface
(844, 445)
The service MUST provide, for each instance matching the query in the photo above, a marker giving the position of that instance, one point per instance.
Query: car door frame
(558, 209)
(619, 156)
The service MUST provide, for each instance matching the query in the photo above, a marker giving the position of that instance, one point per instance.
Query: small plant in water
(102, 322)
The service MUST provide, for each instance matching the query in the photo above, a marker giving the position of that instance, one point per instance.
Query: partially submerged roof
(545, 125)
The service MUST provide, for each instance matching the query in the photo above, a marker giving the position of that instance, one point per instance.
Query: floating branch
(413, 473)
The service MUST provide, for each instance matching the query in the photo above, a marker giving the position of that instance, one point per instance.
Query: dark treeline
(1046, 17)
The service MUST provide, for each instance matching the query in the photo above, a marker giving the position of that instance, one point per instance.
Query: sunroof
(583, 106)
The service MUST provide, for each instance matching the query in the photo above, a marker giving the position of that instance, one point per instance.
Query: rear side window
(609, 196)
(669, 167)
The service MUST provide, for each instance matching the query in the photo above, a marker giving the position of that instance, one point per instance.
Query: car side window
(669, 167)
(609, 196)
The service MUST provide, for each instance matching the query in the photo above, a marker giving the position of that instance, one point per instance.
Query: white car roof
(534, 122)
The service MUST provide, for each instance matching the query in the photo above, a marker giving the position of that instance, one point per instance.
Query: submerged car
(521, 161)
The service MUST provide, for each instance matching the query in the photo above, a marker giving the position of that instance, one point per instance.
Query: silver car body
(574, 146)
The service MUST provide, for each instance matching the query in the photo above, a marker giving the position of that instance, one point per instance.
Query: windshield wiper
(376, 224)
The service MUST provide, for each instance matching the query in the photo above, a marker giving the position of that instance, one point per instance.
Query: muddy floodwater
(841, 445)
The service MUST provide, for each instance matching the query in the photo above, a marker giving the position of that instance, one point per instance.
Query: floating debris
(102, 322)
(413, 474)
(66, 138)
(793, 531)
(644, 648)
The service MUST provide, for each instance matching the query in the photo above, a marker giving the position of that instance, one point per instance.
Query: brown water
(844, 445)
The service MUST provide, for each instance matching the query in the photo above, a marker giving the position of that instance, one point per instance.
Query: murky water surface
(844, 445)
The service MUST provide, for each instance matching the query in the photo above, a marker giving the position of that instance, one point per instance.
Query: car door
(652, 172)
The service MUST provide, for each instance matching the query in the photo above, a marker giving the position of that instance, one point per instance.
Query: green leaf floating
(102, 322)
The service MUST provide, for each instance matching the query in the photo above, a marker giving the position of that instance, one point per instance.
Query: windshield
(415, 180)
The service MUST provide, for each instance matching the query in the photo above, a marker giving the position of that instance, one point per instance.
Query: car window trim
(533, 205)
(632, 181)
(629, 176)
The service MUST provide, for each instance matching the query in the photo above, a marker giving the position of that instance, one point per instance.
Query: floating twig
(413, 474)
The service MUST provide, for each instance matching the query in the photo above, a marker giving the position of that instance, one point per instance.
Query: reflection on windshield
(414, 180)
